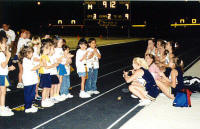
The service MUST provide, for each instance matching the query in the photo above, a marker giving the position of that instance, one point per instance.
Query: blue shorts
(45, 81)
(4, 80)
(61, 70)
(81, 74)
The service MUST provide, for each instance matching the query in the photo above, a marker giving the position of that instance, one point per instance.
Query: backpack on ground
(182, 98)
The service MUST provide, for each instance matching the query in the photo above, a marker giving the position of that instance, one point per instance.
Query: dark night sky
(26, 14)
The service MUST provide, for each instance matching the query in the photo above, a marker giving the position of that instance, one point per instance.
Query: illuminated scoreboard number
(107, 10)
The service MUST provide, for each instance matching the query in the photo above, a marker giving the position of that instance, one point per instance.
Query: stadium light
(38, 3)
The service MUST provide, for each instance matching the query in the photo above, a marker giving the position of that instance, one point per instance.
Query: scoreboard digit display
(107, 13)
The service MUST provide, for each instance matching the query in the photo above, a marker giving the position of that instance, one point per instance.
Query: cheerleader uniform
(81, 65)
(61, 66)
(150, 86)
(179, 82)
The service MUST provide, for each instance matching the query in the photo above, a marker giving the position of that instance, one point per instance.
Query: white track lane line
(192, 62)
(104, 75)
(40, 125)
(79, 84)
(118, 120)
(113, 124)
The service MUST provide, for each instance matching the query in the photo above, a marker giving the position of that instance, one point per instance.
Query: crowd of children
(45, 63)
(159, 71)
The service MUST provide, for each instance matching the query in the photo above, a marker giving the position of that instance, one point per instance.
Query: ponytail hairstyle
(81, 41)
(25, 50)
(141, 62)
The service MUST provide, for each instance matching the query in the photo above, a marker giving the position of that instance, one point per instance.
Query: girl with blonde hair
(149, 90)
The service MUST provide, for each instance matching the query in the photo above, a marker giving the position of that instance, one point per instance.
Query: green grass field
(73, 41)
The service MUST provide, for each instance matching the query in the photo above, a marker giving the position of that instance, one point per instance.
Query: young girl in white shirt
(36, 43)
(4, 58)
(45, 78)
(93, 65)
(81, 60)
(29, 78)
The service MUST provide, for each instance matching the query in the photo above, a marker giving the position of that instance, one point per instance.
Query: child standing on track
(93, 65)
(64, 91)
(45, 78)
(54, 75)
(60, 67)
(29, 77)
(81, 57)
(4, 58)
(36, 42)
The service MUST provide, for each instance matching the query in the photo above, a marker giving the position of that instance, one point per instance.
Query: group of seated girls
(160, 71)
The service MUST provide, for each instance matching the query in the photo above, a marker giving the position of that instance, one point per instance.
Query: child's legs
(136, 90)
(59, 85)
(20, 73)
(89, 80)
(83, 83)
(52, 90)
(36, 90)
(63, 87)
(2, 95)
(44, 93)
(94, 80)
(165, 89)
(67, 84)
(28, 96)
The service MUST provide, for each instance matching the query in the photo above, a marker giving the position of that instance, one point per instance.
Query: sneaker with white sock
(31, 110)
(59, 98)
(7, 89)
(144, 102)
(20, 85)
(53, 100)
(133, 96)
(46, 103)
(5, 111)
(95, 92)
(83, 94)
(69, 96)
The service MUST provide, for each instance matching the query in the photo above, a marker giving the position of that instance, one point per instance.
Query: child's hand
(11, 68)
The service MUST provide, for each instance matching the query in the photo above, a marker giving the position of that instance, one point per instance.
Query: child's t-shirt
(29, 77)
(94, 61)
(3, 71)
(80, 65)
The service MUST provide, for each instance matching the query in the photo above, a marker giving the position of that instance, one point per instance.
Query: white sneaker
(83, 94)
(145, 102)
(69, 95)
(133, 96)
(63, 96)
(7, 89)
(31, 110)
(46, 103)
(20, 85)
(5, 111)
(53, 100)
(162, 94)
(60, 98)
(95, 92)
(34, 107)
(90, 92)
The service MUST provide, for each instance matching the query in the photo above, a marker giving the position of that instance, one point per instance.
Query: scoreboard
(107, 13)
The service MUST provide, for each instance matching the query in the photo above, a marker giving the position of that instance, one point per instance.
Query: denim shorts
(81, 74)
